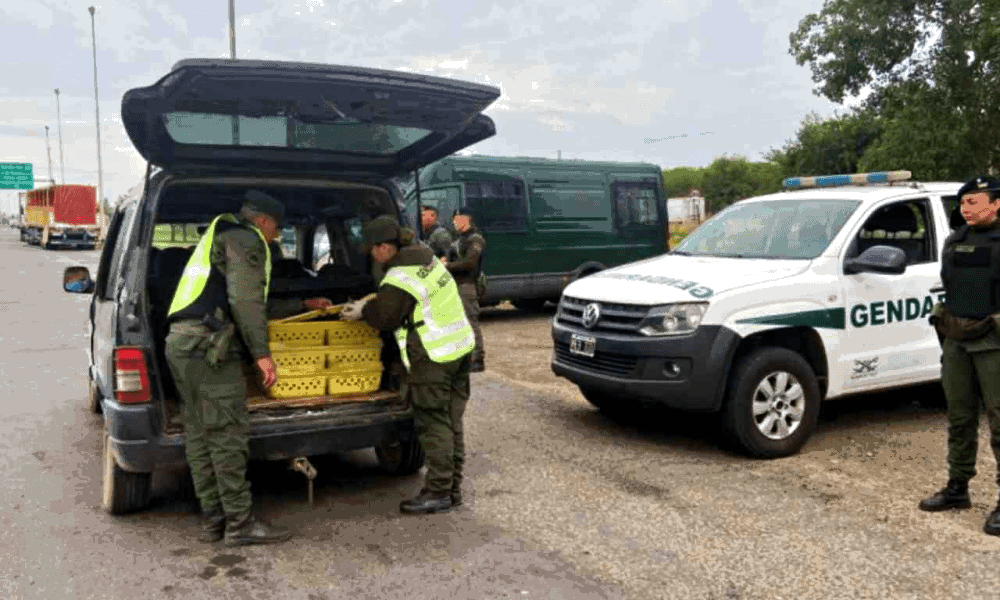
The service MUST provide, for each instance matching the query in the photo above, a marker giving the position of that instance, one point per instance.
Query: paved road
(563, 503)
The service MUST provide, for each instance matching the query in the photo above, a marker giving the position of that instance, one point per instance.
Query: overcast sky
(608, 79)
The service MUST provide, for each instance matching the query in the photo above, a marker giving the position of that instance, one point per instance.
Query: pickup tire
(400, 457)
(773, 403)
(121, 491)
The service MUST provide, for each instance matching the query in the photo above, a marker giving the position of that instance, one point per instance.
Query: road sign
(16, 176)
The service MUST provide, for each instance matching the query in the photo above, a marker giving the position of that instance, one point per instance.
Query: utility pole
(97, 114)
(62, 163)
(48, 150)
(232, 29)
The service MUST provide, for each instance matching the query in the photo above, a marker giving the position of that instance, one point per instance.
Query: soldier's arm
(242, 260)
(470, 263)
(388, 310)
(278, 308)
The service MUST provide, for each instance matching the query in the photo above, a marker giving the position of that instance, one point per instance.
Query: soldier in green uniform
(419, 301)
(466, 266)
(967, 324)
(219, 312)
(438, 238)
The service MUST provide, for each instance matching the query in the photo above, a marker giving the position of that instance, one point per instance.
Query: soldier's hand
(318, 303)
(269, 369)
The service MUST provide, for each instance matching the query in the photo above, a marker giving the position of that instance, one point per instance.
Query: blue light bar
(849, 179)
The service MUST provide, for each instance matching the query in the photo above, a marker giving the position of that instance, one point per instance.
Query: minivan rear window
(287, 132)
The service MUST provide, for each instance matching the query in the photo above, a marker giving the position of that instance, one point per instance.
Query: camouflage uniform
(438, 239)
(438, 392)
(467, 252)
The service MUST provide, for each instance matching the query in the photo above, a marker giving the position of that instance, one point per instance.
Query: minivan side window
(635, 204)
(122, 248)
(110, 243)
(497, 205)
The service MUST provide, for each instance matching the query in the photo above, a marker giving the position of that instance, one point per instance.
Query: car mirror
(878, 259)
(77, 280)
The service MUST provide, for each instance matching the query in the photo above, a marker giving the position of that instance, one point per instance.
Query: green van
(548, 222)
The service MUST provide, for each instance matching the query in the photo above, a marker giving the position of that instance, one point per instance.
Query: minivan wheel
(399, 457)
(93, 398)
(121, 491)
(773, 404)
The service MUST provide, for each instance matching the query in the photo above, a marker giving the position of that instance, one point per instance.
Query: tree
(680, 181)
(882, 45)
(828, 146)
(729, 179)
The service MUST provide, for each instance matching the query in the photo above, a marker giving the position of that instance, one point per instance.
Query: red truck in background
(61, 215)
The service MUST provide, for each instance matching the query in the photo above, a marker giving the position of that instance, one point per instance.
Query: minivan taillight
(131, 376)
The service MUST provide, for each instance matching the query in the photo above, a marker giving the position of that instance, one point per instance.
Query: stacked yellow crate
(324, 358)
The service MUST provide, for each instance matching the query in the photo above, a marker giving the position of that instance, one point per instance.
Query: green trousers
(439, 393)
(216, 423)
(967, 369)
(470, 301)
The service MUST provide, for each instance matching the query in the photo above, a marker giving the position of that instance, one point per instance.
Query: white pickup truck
(771, 306)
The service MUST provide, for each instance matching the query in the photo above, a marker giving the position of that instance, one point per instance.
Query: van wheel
(93, 399)
(773, 403)
(121, 491)
(399, 457)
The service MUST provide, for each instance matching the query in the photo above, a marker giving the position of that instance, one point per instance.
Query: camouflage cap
(258, 201)
(381, 229)
(979, 184)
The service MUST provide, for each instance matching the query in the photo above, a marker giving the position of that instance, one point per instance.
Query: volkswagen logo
(591, 314)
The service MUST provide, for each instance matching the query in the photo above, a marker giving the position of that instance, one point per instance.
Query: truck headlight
(674, 319)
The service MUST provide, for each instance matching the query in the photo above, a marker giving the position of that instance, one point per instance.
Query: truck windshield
(773, 229)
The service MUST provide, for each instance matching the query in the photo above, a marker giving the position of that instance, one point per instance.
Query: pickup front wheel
(121, 491)
(773, 403)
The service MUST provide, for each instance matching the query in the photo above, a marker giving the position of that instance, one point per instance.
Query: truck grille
(615, 318)
(603, 362)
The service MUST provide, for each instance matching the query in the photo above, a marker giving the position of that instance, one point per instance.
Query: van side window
(635, 204)
(123, 247)
(497, 205)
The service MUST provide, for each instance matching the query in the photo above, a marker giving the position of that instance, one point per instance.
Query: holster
(219, 340)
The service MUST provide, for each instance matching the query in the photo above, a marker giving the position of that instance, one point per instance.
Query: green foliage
(940, 55)
(729, 179)
(828, 146)
(681, 180)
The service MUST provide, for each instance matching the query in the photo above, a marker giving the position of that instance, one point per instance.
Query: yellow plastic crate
(298, 387)
(311, 361)
(354, 381)
(350, 357)
(296, 335)
(349, 333)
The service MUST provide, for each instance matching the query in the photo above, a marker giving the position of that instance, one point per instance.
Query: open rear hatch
(296, 118)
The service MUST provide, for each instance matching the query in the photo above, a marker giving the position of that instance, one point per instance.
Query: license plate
(582, 345)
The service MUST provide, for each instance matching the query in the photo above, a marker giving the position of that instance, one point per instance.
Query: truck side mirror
(878, 259)
(76, 280)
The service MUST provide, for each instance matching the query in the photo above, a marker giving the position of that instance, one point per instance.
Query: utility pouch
(218, 344)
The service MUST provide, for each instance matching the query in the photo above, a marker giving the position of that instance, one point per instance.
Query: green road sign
(16, 176)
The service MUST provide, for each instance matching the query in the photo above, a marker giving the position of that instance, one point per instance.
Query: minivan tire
(400, 457)
(772, 365)
(121, 491)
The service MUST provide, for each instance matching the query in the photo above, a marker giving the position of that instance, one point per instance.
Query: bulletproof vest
(970, 271)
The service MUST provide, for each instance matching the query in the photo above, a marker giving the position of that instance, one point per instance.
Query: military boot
(426, 502)
(992, 525)
(213, 525)
(954, 495)
(244, 529)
